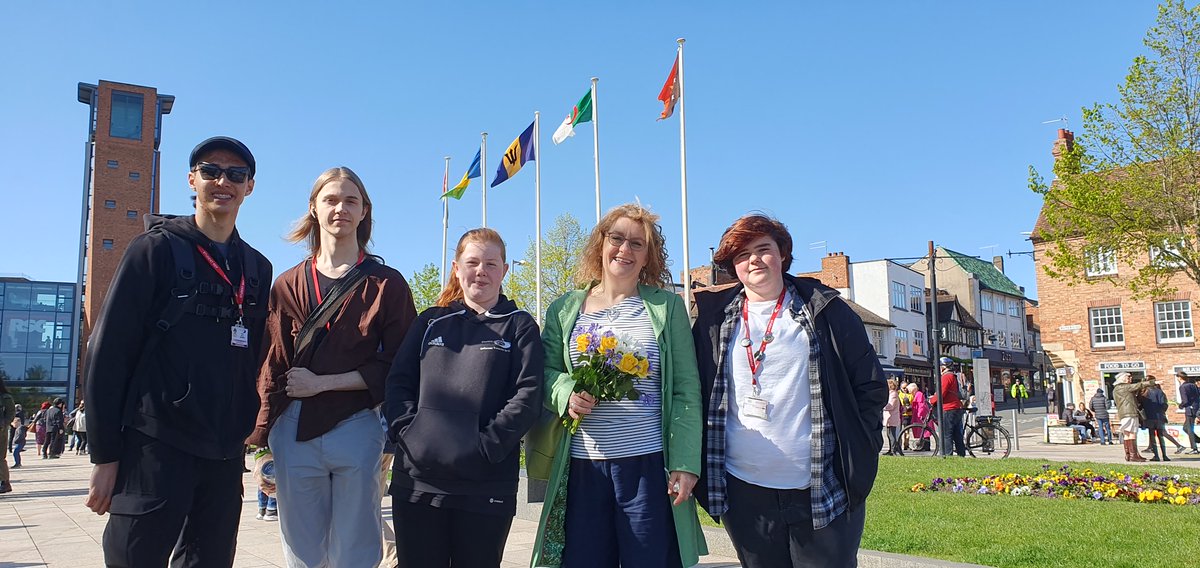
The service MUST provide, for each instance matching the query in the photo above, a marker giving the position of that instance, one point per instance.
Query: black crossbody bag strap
(338, 294)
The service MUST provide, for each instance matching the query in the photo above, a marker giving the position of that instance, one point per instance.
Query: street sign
(1074, 327)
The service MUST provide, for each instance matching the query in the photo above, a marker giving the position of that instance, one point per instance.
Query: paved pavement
(44, 523)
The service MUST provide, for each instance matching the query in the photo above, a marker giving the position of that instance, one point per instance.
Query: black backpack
(187, 291)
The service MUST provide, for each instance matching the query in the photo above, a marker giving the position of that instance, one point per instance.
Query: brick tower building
(121, 183)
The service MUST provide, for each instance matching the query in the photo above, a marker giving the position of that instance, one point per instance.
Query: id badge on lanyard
(239, 336)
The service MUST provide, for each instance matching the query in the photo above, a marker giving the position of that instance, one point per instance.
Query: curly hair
(591, 260)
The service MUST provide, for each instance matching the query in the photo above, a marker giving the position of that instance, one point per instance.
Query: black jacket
(463, 390)
(192, 390)
(853, 387)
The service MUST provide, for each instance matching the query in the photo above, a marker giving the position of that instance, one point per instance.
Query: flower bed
(1067, 482)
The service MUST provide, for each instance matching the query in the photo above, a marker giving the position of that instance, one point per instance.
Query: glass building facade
(37, 332)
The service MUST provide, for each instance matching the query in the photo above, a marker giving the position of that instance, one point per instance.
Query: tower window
(132, 214)
(135, 175)
(107, 244)
(112, 164)
(110, 204)
(126, 119)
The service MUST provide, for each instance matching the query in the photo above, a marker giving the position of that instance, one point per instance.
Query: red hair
(453, 291)
(742, 232)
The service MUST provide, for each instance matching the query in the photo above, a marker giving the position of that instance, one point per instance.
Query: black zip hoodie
(462, 391)
(192, 389)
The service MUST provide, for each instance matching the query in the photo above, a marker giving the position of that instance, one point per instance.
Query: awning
(1001, 360)
(890, 370)
(902, 361)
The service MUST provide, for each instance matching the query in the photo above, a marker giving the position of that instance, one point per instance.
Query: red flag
(669, 95)
(445, 180)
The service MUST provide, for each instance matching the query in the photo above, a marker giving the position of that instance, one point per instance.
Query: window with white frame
(1014, 307)
(1001, 339)
(901, 342)
(877, 340)
(918, 343)
(1015, 340)
(1101, 262)
(985, 301)
(989, 337)
(899, 295)
(1173, 320)
(916, 299)
(1108, 327)
(1159, 259)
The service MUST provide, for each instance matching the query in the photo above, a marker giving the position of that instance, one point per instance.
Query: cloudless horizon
(874, 127)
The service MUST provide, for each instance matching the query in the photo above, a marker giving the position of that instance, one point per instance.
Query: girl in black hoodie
(463, 390)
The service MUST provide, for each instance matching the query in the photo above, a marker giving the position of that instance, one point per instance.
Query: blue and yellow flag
(472, 172)
(519, 152)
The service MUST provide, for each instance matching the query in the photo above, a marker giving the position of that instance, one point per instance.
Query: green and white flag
(581, 113)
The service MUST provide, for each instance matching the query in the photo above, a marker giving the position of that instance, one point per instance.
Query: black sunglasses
(235, 174)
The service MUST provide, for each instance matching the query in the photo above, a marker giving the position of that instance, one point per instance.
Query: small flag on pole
(669, 95)
(520, 151)
(581, 113)
(472, 172)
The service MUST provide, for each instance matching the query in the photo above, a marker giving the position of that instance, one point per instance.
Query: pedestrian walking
(56, 429)
(953, 410)
(20, 427)
(81, 430)
(1189, 395)
(39, 429)
(171, 375)
(335, 322)
(466, 385)
(1099, 406)
(1154, 405)
(794, 394)
(891, 418)
(1019, 393)
(19, 414)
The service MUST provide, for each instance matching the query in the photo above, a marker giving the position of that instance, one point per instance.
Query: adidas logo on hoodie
(436, 342)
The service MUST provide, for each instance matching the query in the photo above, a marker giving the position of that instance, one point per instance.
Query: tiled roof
(868, 317)
(989, 276)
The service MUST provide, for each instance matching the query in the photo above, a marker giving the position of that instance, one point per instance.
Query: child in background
(19, 430)
(264, 474)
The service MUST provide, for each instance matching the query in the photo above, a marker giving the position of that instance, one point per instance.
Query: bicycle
(984, 436)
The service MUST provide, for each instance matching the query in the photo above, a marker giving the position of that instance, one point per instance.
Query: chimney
(1066, 141)
(998, 262)
(835, 270)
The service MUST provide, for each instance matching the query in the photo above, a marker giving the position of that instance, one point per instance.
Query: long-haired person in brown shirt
(321, 390)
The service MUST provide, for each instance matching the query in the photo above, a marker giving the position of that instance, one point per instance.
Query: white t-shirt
(774, 452)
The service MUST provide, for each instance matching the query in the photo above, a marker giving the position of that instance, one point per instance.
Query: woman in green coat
(620, 487)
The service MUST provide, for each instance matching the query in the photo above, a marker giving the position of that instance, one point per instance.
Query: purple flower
(1097, 495)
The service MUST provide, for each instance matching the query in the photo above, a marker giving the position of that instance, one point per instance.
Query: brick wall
(1061, 307)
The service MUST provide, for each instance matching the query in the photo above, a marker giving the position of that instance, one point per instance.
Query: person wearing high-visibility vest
(1020, 393)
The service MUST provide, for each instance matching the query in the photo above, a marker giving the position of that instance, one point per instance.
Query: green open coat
(681, 428)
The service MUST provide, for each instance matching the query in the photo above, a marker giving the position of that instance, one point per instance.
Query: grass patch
(1001, 530)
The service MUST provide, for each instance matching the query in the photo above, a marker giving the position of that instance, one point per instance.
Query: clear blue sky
(874, 126)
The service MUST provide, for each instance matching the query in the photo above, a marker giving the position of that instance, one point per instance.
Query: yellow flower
(628, 364)
(582, 343)
(643, 369)
(918, 487)
(608, 343)
(1180, 500)
(1171, 489)
(1185, 491)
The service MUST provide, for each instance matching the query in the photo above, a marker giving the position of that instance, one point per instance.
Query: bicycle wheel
(989, 442)
(919, 440)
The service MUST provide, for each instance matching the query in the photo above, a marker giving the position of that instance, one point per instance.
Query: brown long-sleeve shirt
(363, 336)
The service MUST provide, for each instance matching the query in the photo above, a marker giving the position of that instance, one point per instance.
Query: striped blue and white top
(623, 428)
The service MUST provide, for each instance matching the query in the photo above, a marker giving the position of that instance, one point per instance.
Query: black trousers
(170, 506)
(438, 537)
(772, 528)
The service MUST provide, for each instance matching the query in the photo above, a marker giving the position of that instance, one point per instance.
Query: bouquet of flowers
(610, 366)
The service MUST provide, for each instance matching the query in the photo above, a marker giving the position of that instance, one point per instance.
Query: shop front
(918, 371)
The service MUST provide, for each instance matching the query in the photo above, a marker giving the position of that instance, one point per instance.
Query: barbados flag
(519, 152)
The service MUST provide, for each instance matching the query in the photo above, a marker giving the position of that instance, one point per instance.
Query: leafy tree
(561, 247)
(426, 284)
(1129, 189)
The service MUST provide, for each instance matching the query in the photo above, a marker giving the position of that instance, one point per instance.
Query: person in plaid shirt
(794, 394)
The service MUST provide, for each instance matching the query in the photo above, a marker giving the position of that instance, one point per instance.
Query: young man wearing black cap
(171, 375)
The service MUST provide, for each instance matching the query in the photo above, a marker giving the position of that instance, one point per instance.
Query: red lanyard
(753, 358)
(317, 283)
(239, 294)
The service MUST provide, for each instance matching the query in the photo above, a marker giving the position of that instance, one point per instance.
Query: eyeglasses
(616, 240)
(235, 174)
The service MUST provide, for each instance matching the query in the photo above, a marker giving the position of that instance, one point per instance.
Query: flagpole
(445, 217)
(483, 174)
(687, 267)
(537, 208)
(596, 145)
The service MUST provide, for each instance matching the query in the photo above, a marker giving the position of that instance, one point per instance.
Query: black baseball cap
(222, 143)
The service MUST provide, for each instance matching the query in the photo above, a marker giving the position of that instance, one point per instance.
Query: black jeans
(1189, 428)
(170, 505)
(773, 528)
(952, 432)
(438, 537)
